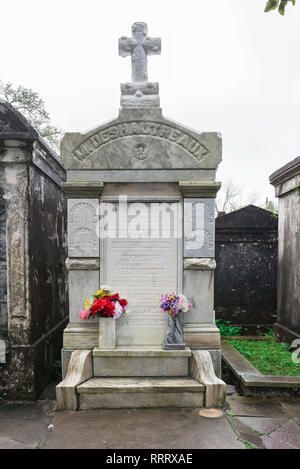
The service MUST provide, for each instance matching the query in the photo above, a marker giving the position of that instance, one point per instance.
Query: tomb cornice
(78, 263)
(203, 189)
(199, 263)
(287, 178)
(86, 190)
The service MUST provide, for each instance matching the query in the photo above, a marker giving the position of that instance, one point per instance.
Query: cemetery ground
(259, 422)
(268, 357)
(247, 423)
(260, 365)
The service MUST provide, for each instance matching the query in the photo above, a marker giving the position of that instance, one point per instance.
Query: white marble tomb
(147, 159)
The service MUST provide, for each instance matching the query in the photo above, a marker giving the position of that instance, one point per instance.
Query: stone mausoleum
(141, 217)
(33, 286)
(246, 272)
(286, 181)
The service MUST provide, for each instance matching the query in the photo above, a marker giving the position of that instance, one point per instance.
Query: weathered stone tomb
(33, 286)
(246, 272)
(286, 181)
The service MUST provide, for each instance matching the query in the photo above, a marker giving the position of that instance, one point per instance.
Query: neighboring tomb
(33, 300)
(286, 181)
(246, 272)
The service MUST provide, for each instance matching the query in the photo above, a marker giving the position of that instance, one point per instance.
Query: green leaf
(282, 6)
(294, 2)
(271, 5)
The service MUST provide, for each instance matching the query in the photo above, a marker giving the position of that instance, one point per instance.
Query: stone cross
(139, 47)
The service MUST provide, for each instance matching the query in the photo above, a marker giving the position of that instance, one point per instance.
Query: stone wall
(287, 183)
(32, 256)
(246, 271)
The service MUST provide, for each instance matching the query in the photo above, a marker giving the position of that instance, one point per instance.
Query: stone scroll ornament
(174, 305)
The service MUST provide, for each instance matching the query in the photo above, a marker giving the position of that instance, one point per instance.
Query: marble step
(140, 361)
(116, 393)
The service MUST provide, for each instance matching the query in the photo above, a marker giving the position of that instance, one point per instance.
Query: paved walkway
(247, 423)
(265, 423)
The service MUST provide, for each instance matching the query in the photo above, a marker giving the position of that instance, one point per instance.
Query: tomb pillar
(200, 331)
(83, 263)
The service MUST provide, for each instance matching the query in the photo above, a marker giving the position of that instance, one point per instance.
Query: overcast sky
(226, 66)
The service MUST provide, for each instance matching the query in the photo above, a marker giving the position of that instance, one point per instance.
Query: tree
(280, 4)
(28, 102)
(253, 198)
(271, 206)
(229, 197)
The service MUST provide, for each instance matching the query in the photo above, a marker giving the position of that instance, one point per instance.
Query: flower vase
(107, 333)
(174, 333)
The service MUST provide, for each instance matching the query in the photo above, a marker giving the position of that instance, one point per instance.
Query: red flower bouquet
(104, 304)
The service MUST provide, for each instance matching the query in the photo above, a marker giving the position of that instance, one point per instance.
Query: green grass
(270, 358)
(227, 329)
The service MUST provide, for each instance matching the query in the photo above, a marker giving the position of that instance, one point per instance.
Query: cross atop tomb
(139, 47)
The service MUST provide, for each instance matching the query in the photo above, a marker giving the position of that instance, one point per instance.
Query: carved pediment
(141, 140)
(140, 129)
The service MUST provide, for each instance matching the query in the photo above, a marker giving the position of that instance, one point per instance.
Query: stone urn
(174, 333)
(107, 333)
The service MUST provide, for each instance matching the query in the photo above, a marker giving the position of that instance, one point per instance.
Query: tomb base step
(140, 392)
(140, 362)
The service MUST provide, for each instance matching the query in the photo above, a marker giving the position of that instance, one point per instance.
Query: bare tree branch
(231, 198)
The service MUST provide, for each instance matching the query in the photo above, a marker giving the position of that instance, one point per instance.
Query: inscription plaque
(141, 269)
